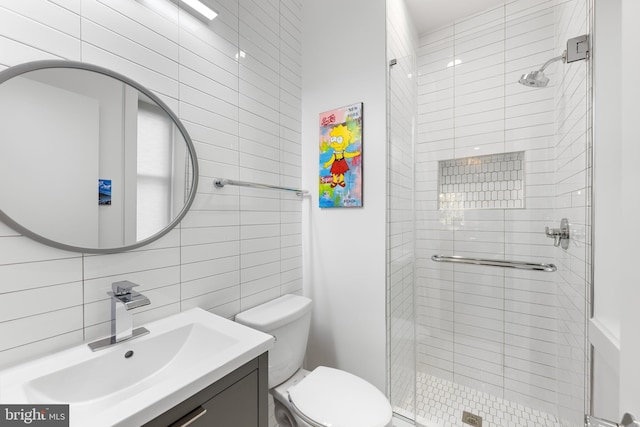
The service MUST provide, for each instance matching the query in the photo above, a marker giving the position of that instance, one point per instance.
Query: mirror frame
(20, 69)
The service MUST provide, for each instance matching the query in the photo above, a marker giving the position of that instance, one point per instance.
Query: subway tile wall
(235, 83)
(510, 333)
(402, 41)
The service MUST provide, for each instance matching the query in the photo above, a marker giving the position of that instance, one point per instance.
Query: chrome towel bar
(221, 182)
(495, 263)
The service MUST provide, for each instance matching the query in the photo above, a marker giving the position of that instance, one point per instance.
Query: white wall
(604, 329)
(344, 62)
(630, 206)
(614, 329)
(235, 248)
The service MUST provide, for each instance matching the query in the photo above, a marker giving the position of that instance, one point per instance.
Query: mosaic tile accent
(440, 403)
(483, 182)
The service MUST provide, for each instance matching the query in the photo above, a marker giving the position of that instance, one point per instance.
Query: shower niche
(482, 182)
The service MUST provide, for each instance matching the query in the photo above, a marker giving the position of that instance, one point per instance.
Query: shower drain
(471, 419)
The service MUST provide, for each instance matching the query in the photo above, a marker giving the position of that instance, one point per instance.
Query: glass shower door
(400, 240)
(494, 163)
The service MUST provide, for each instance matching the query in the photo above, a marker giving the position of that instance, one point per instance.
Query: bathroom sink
(134, 381)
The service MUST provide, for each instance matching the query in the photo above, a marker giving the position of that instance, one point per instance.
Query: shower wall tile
(58, 39)
(234, 249)
(480, 22)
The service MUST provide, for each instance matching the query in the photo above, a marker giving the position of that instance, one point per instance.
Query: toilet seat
(334, 398)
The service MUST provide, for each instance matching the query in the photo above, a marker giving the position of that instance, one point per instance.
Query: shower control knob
(560, 235)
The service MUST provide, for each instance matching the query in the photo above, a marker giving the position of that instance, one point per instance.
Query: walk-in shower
(479, 167)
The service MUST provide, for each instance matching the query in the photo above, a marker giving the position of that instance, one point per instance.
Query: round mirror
(91, 161)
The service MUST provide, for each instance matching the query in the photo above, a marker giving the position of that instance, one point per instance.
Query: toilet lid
(333, 398)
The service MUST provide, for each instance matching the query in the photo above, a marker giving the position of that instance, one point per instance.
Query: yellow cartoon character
(340, 140)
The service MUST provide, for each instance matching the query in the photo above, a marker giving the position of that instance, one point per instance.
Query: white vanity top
(180, 356)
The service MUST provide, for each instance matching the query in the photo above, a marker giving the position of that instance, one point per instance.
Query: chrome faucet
(123, 299)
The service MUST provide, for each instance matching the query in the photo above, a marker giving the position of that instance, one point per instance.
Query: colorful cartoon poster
(341, 157)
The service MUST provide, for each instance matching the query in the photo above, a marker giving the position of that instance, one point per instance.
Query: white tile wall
(235, 248)
(514, 334)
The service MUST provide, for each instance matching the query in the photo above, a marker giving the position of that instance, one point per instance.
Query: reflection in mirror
(94, 162)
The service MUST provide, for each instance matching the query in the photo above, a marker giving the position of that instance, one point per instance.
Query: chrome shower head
(537, 78)
(534, 79)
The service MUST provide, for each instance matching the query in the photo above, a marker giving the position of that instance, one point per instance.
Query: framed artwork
(340, 184)
(104, 191)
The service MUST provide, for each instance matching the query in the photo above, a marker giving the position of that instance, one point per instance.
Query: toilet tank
(288, 319)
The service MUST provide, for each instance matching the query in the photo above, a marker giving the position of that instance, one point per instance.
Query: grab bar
(221, 182)
(495, 263)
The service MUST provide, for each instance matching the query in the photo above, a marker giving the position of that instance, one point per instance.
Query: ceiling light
(199, 7)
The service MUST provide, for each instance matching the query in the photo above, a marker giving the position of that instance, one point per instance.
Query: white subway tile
(107, 265)
(41, 36)
(209, 284)
(27, 275)
(211, 48)
(143, 13)
(164, 42)
(197, 114)
(217, 83)
(72, 5)
(480, 20)
(209, 268)
(209, 251)
(29, 329)
(260, 285)
(140, 73)
(32, 302)
(18, 249)
(531, 22)
(47, 13)
(480, 380)
(33, 350)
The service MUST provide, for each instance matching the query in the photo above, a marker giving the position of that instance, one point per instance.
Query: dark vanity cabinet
(236, 400)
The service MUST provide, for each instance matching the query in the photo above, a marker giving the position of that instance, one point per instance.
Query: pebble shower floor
(440, 403)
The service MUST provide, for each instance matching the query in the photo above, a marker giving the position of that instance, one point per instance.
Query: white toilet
(324, 397)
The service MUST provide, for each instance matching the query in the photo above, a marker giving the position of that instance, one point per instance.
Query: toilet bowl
(323, 397)
(331, 397)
